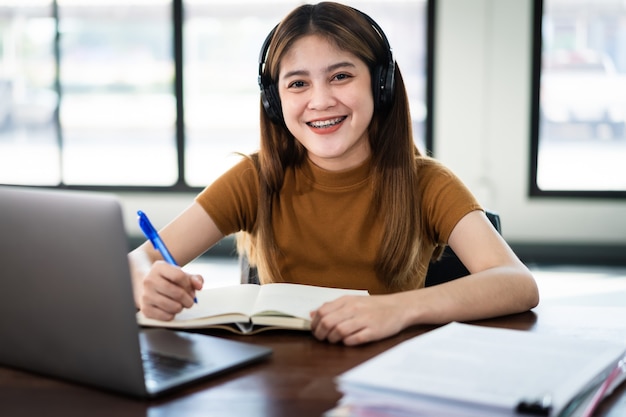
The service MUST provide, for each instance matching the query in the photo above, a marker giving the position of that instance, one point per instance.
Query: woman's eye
(340, 77)
(296, 84)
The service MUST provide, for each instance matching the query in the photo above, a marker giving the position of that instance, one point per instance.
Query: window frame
(536, 62)
(181, 186)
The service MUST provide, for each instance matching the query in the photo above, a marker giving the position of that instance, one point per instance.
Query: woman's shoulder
(241, 176)
(431, 168)
(436, 182)
(247, 162)
(245, 169)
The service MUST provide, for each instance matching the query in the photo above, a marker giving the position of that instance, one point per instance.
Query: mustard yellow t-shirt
(324, 228)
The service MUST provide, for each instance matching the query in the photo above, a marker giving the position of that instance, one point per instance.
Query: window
(151, 94)
(29, 151)
(579, 107)
(118, 109)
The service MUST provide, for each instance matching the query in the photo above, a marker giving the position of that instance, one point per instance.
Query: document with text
(463, 369)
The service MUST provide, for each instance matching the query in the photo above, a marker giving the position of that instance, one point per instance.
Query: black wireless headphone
(382, 77)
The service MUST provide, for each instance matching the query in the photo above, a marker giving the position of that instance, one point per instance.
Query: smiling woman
(338, 195)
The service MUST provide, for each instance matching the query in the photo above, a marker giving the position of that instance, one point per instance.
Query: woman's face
(327, 102)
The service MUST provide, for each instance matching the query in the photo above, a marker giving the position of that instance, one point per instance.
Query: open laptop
(66, 302)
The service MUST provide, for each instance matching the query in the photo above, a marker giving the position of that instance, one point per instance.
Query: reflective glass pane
(116, 103)
(582, 145)
(118, 109)
(29, 153)
(222, 40)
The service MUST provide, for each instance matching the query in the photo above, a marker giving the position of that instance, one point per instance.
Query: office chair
(446, 269)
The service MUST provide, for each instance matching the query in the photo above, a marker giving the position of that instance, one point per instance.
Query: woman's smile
(328, 125)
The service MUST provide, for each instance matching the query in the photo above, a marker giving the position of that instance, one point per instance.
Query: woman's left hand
(355, 320)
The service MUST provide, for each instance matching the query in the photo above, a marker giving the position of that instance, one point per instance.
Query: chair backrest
(449, 267)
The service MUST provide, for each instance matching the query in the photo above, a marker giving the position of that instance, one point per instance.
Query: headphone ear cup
(271, 103)
(377, 86)
(383, 81)
(389, 84)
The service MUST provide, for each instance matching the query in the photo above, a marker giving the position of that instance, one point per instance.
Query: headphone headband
(382, 76)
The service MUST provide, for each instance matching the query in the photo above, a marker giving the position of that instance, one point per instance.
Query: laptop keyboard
(159, 367)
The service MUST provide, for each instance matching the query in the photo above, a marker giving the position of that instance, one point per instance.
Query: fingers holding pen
(167, 289)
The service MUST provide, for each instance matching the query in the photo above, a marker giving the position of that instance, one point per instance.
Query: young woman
(338, 195)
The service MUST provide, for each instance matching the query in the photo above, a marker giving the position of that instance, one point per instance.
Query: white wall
(482, 128)
(482, 123)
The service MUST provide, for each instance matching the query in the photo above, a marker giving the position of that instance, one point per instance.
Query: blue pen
(157, 242)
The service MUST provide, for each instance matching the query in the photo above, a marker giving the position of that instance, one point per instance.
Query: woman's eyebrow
(345, 64)
(295, 73)
(330, 68)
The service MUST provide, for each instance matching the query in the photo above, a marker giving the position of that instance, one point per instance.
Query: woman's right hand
(162, 290)
(166, 290)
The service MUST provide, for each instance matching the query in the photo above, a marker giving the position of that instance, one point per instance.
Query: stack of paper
(468, 370)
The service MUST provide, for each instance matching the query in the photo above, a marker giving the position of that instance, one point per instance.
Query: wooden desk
(296, 382)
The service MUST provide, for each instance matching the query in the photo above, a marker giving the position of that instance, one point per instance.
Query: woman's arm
(498, 284)
(161, 290)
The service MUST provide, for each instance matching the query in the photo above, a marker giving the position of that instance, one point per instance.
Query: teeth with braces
(326, 123)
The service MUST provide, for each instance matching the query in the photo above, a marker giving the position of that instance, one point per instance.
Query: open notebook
(66, 303)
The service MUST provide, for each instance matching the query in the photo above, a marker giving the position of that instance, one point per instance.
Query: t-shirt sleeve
(445, 200)
(231, 200)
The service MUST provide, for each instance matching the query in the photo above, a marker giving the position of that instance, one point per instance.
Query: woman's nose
(322, 97)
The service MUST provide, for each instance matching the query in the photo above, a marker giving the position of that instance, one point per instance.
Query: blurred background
(150, 99)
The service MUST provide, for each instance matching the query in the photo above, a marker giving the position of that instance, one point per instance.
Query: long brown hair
(393, 150)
